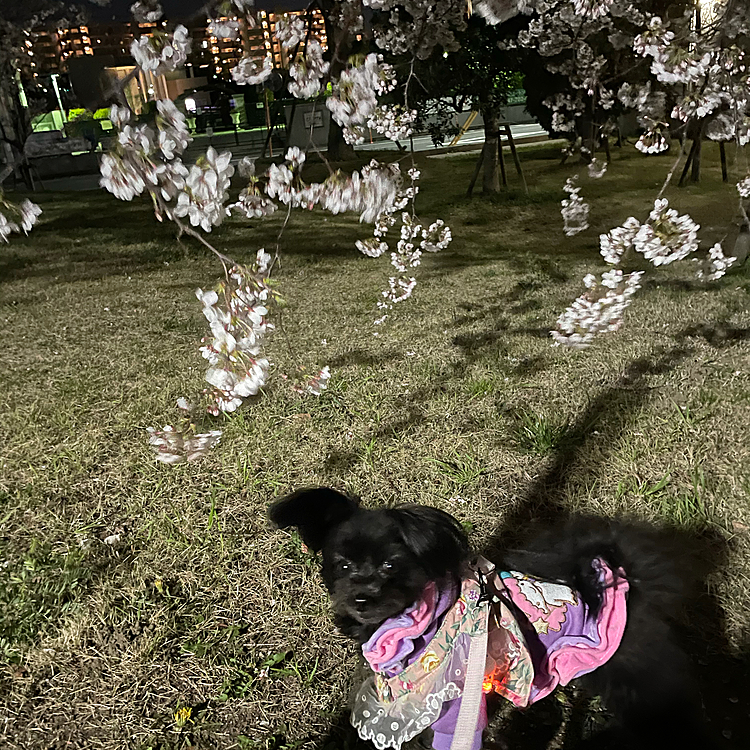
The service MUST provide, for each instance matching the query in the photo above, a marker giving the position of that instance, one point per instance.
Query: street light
(54, 77)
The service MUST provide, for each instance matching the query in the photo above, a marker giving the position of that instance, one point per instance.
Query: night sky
(180, 10)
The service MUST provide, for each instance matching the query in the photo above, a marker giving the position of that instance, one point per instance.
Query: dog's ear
(435, 537)
(314, 512)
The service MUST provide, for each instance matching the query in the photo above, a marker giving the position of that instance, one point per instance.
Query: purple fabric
(445, 725)
(564, 638)
(411, 648)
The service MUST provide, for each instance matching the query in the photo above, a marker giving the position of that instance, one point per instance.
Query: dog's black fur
(377, 562)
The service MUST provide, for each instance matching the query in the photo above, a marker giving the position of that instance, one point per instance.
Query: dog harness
(505, 632)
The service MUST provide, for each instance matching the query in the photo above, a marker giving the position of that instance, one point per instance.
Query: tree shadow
(342, 736)
(365, 358)
(717, 334)
(723, 674)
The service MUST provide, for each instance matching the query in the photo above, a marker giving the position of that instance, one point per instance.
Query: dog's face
(375, 562)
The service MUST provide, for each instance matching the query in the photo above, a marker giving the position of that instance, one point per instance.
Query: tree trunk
(340, 43)
(15, 124)
(490, 178)
(338, 148)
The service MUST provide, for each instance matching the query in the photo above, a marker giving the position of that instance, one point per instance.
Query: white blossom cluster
(290, 30)
(575, 211)
(652, 142)
(671, 63)
(665, 238)
(597, 168)
(369, 192)
(565, 109)
(248, 73)
(415, 239)
(496, 11)
(592, 8)
(355, 95)
(307, 72)
(174, 446)
(598, 310)
(715, 265)
(147, 160)
(205, 191)
(743, 187)
(251, 203)
(394, 122)
(161, 53)
(146, 11)
(618, 241)
(236, 311)
(417, 27)
(223, 28)
(314, 384)
(16, 218)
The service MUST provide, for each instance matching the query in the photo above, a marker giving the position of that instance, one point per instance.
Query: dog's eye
(386, 566)
(344, 565)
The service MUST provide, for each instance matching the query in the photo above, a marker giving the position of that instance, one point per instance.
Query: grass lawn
(197, 625)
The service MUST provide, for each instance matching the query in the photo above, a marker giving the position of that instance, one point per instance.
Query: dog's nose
(360, 602)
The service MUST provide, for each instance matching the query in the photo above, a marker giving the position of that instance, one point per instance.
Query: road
(251, 143)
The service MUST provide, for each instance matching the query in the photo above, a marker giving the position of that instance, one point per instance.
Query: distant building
(50, 51)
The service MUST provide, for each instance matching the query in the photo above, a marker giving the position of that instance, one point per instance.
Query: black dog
(377, 562)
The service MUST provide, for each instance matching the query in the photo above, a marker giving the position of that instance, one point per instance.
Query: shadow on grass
(717, 334)
(343, 736)
(363, 357)
(723, 675)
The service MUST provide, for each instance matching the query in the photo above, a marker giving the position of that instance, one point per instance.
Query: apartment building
(50, 51)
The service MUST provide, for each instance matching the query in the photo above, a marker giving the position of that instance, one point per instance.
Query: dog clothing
(539, 634)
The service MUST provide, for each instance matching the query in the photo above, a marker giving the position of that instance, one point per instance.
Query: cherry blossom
(715, 265)
(16, 218)
(315, 384)
(290, 30)
(599, 310)
(206, 190)
(619, 240)
(146, 11)
(666, 237)
(306, 73)
(223, 28)
(575, 211)
(161, 53)
(173, 446)
(248, 72)
(597, 168)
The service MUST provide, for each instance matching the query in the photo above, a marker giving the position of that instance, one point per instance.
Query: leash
(468, 714)
(471, 700)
